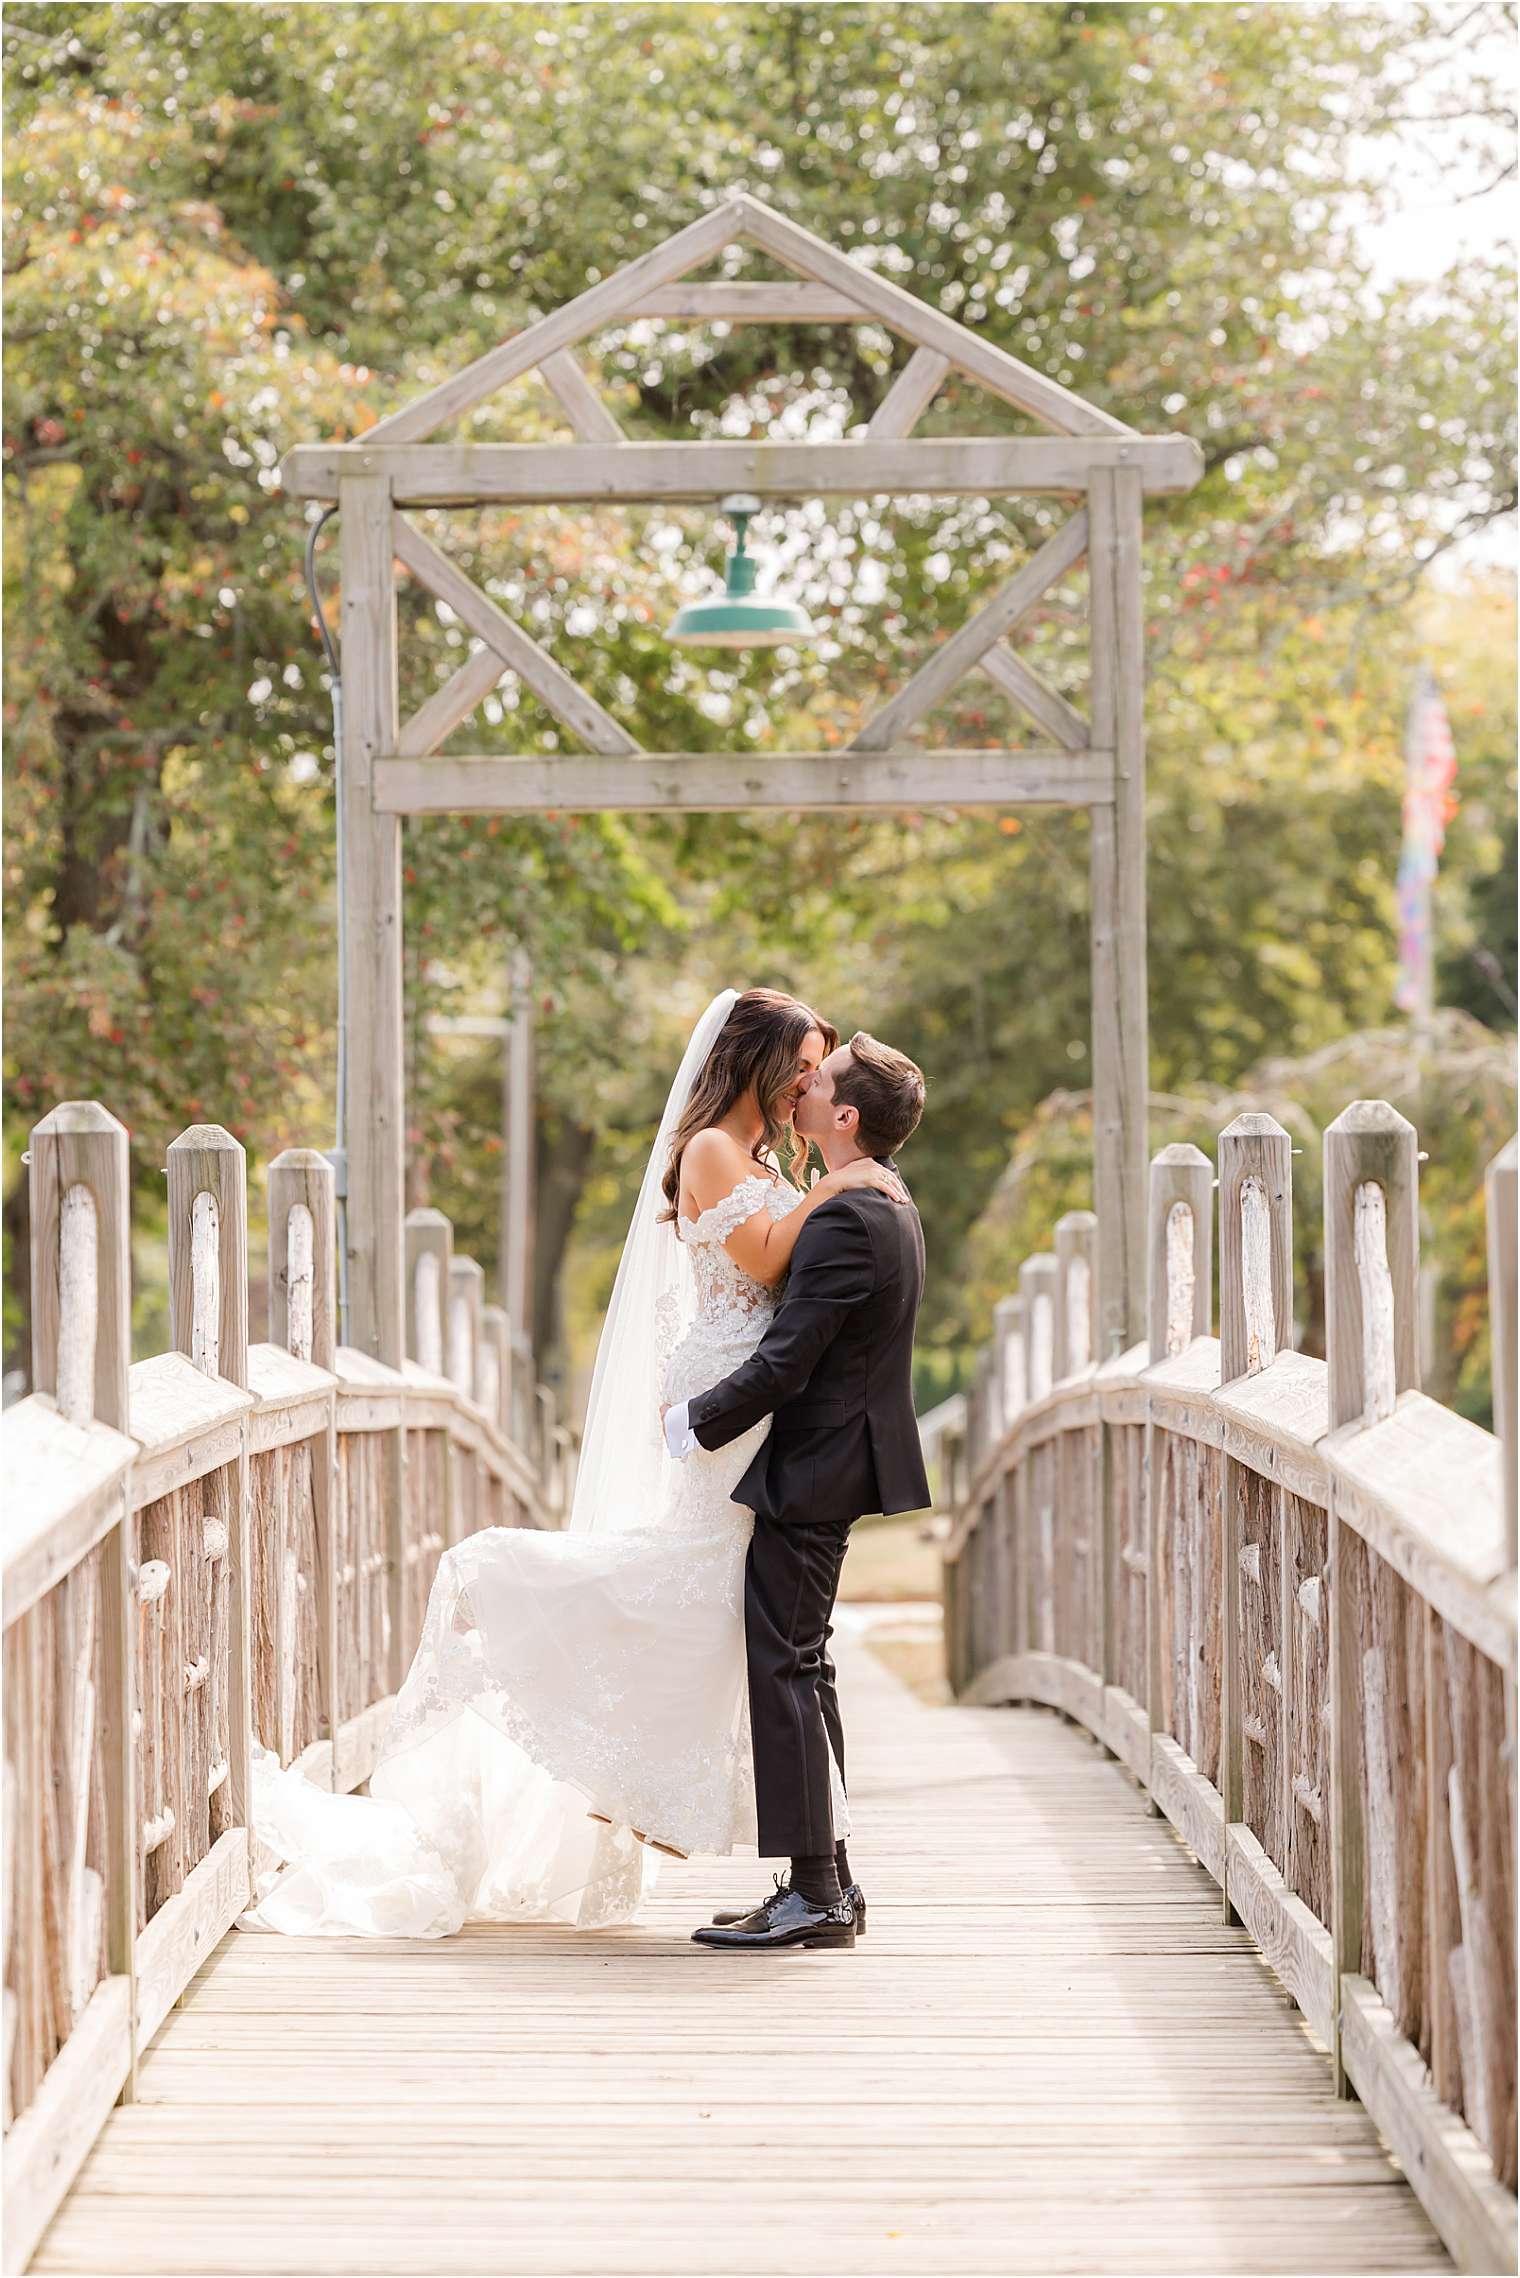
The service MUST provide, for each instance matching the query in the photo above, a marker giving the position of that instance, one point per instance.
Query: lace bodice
(732, 1310)
(722, 1285)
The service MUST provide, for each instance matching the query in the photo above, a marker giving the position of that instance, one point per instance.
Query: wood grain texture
(1093, 2073)
(375, 1109)
(963, 649)
(465, 474)
(726, 782)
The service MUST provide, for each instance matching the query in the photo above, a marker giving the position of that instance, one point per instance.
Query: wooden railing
(1282, 1591)
(228, 1541)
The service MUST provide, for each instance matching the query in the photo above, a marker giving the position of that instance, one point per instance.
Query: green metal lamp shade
(740, 618)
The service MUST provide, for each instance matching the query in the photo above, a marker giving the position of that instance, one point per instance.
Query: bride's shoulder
(714, 1167)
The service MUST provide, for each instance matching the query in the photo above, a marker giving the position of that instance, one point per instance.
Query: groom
(834, 1370)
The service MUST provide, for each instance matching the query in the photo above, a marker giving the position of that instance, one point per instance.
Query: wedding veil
(622, 1477)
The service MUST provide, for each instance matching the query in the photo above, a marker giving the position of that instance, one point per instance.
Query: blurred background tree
(229, 229)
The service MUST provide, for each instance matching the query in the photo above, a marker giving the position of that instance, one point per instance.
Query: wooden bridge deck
(1049, 2055)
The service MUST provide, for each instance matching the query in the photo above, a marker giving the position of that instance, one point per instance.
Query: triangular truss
(839, 288)
(1084, 455)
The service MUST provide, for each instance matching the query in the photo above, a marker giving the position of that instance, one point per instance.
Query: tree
(230, 229)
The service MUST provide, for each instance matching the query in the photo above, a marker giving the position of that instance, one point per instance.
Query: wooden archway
(1096, 761)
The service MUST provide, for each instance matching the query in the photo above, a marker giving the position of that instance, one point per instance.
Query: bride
(578, 1700)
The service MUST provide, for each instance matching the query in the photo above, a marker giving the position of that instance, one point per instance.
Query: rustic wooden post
(1076, 1255)
(1499, 1184)
(1117, 865)
(494, 1383)
(1255, 1325)
(524, 1403)
(1372, 1266)
(371, 856)
(1255, 1245)
(1179, 1307)
(1008, 1337)
(302, 1314)
(208, 1322)
(517, 1154)
(466, 1295)
(303, 1318)
(547, 1418)
(429, 1241)
(1037, 1289)
(79, 1190)
(429, 1250)
(1179, 1295)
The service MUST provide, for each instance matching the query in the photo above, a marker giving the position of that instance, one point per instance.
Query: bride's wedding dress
(561, 1676)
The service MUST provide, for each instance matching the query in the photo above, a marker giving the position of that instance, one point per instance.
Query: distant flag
(1430, 762)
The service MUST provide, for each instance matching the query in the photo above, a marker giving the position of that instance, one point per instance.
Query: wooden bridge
(1277, 1591)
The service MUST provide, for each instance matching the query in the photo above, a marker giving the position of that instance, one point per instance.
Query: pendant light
(740, 618)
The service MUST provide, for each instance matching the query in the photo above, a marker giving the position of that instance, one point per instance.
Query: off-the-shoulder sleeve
(718, 1222)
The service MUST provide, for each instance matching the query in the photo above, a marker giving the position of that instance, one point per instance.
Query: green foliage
(229, 229)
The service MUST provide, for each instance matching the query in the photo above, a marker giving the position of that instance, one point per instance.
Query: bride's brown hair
(757, 1045)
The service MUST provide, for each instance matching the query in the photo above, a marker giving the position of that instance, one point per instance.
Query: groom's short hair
(885, 1088)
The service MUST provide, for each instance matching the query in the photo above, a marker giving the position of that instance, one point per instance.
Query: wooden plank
(600, 304)
(374, 1078)
(1094, 2067)
(1049, 710)
(571, 704)
(1297, 1947)
(1126, 1730)
(958, 655)
(1117, 871)
(188, 1927)
(764, 302)
(465, 474)
(992, 367)
(1422, 1488)
(1441, 2156)
(433, 722)
(578, 399)
(908, 397)
(729, 782)
(1192, 1803)
(66, 1485)
(1499, 1191)
(1050, 1678)
(46, 2146)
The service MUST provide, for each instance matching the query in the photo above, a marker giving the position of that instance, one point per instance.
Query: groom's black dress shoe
(853, 1892)
(786, 1919)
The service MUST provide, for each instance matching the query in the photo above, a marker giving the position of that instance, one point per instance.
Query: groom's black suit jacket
(835, 1370)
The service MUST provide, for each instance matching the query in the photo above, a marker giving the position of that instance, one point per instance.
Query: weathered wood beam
(726, 782)
(1118, 936)
(468, 474)
(797, 248)
(964, 650)
(578, 399)
(448, 705)
(571, 704)
(763, 302)
(1043, 704)
(600, 304)
(909, 395)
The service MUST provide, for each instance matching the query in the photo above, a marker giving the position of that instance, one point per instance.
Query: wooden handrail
(1281, 1591)
(230, 1542)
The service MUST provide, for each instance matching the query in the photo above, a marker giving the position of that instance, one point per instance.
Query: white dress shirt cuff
(680, 1439)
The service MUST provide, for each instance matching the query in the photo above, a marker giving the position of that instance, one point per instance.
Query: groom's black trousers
(790, 1585)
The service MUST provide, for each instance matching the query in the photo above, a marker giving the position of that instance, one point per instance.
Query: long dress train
(557, 1676)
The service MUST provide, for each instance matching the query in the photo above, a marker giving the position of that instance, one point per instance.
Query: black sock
(842, 1866)
(815, 1877)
